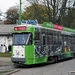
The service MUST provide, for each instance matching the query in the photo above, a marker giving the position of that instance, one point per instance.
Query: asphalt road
(5, 64)
(60, 68)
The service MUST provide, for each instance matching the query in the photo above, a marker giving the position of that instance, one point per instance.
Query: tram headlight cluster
(17, 52)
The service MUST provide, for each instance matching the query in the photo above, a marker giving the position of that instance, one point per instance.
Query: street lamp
(20, 13)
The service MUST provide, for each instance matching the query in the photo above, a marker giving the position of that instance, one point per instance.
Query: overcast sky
(6, 4)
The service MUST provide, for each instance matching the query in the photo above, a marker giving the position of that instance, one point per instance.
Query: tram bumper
(18, 60)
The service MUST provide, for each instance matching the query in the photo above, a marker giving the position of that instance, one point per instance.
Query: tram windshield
(22, 39)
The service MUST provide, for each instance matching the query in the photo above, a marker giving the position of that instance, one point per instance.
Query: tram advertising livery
(34, 44)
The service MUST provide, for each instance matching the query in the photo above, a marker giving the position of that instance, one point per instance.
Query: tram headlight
(17, 52)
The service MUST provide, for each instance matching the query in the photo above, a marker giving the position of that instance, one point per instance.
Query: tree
(69, 19)
(0, 13)
(58, 11)
(51, 7)
(35, 11)
(11, 15)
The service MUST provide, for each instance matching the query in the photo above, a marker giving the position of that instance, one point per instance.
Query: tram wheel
(56, 59)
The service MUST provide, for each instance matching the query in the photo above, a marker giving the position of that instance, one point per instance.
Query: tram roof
(69, 31)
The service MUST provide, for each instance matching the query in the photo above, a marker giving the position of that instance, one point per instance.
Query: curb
(14, 71)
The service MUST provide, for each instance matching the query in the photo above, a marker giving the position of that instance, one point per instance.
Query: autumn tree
(11, 15)
(35, 11)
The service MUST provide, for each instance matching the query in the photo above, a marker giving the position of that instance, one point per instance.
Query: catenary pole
(20, 13)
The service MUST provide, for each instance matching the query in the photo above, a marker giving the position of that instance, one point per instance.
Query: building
(5, 37)
(1, 21)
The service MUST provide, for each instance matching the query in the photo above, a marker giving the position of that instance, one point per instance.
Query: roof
(6, 29)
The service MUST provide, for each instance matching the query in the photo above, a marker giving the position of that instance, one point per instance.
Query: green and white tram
(40, 44)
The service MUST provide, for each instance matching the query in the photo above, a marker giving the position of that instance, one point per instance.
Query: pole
(61, 20)
(20, 13)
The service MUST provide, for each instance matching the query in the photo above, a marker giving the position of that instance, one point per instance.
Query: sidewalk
(5, 61)
(6, 65)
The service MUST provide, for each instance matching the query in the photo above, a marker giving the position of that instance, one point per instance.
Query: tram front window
(21, 39)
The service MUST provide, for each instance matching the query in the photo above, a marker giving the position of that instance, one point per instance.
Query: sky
(6, 4)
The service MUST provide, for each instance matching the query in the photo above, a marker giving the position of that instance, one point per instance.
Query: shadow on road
(40, 65)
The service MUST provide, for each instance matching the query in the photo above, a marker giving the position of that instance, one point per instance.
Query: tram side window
(60, 40)
(65, 40)
(49, 40)
(73, 41)
(55, 40)
(30, 40)
(37, 39)
(43, 40)
(69, 40)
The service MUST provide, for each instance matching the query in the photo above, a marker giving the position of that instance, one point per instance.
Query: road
(5, 63)
(60, 68)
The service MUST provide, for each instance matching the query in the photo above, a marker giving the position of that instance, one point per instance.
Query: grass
(5, 54)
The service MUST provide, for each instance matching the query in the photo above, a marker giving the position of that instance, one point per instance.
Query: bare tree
(0, 13)
(56, 10)
(51, 7)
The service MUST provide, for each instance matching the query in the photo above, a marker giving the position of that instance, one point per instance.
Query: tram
(35, 44)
